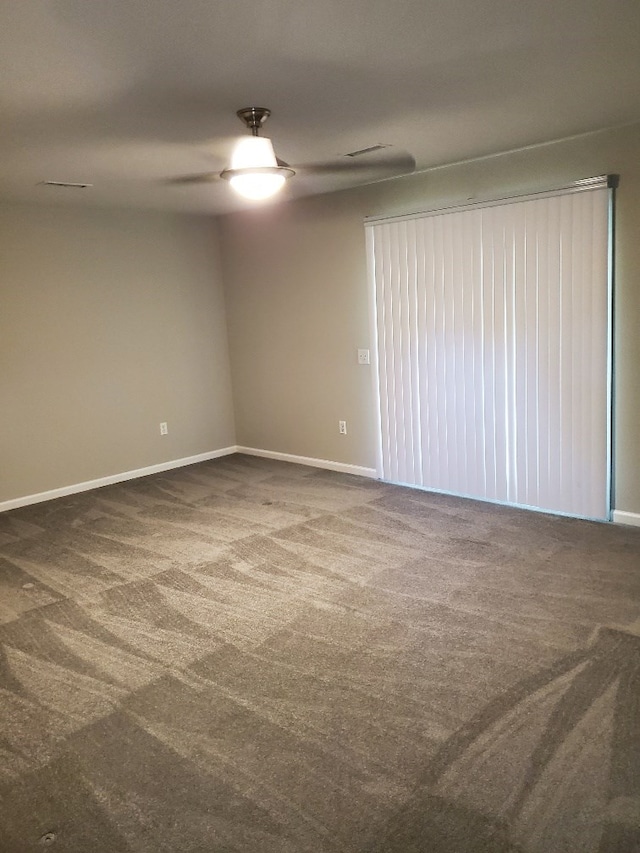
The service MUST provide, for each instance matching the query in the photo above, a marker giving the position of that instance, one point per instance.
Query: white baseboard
(621, 517)
(115, 478)
(342, 467)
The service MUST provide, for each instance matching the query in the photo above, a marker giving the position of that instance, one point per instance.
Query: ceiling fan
(256, 173)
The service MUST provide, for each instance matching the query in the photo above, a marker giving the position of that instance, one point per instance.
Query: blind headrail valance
(583, 185)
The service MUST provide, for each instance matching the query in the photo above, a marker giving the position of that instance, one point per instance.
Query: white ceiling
(126, 94)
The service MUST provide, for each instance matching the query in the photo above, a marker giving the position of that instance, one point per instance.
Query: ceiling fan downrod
(254, 118)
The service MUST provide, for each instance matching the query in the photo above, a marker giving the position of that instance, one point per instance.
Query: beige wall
(297, 309)
(109, 323)
(297, 299)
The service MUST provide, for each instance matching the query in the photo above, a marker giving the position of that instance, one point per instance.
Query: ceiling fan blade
(189, 180)
(383, 163)
(216, 152)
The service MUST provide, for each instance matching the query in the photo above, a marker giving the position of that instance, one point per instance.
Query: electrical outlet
(363, 356)
(164, 429)
(342, 427)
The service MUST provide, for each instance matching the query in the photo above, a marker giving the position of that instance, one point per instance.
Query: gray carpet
(246, 656)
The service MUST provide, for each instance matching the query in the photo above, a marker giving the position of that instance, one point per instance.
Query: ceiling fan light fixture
(253, 152)
(255, 184)
(254, 172)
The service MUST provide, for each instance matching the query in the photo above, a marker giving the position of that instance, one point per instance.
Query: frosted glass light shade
(254, 171)
(253, 152)
(257, 185)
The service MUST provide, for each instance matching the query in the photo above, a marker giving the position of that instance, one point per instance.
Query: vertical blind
(493, 350)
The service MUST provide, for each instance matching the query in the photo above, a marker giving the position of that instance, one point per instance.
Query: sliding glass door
(493, 350)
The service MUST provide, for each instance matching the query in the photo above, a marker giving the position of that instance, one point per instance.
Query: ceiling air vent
(69, 184)
(369, 150)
